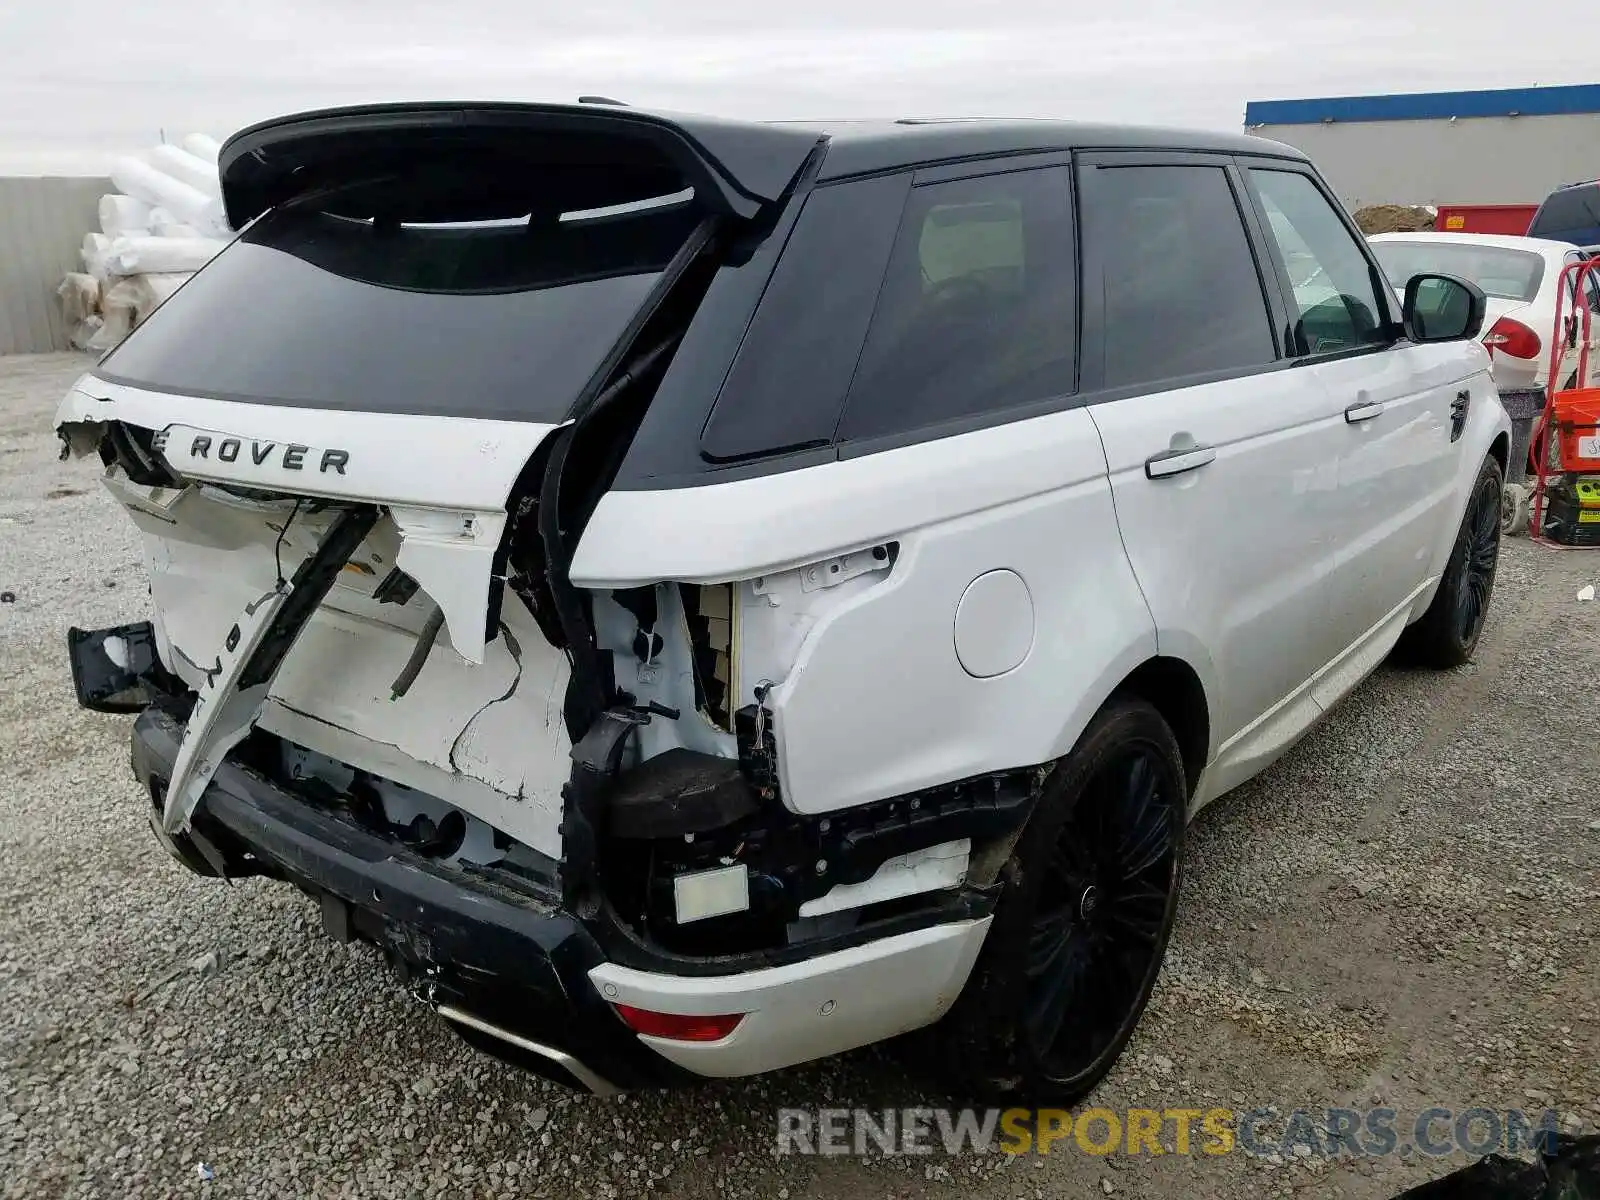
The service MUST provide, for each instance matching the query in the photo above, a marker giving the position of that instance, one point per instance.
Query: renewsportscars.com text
(1263, 1132)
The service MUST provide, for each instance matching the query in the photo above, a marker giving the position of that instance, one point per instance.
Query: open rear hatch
(362, 442)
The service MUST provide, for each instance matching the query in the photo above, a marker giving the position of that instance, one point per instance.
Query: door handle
(1363, 410)
(1176, 462)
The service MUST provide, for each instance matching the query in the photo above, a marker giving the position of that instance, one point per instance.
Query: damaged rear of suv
(542, 583)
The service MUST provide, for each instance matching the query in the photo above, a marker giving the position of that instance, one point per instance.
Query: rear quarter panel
(876, 701)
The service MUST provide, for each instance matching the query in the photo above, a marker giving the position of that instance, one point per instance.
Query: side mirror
(1442, 308)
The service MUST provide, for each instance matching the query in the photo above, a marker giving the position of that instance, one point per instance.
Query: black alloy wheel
(1480, 550)
(1081, 930)
(1447, 634)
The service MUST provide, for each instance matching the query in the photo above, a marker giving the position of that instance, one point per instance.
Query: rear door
(994, 607)
(1397, 405)
(1221, 459)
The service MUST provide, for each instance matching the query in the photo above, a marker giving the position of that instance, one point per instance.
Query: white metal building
(42, 223)
(1509, 146)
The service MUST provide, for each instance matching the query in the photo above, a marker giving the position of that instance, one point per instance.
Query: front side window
(1166, 248)
(977, 310)
(1333, 292)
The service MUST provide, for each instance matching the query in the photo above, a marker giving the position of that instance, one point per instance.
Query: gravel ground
(1401, 911)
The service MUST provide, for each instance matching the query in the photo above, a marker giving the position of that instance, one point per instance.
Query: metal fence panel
(42, 223)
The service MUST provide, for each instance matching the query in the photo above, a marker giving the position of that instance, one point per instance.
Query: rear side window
(1165, 246)
(789, 380)
(497, 319)
(977, 311)
(1332, 283)
(1570, 215)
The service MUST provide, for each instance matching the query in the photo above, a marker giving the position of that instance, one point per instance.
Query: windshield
(494, 319)
(1508, 274)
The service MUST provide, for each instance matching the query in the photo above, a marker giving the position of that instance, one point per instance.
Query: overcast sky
(84, 80)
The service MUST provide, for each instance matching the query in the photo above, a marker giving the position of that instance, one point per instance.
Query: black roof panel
(598, 154)
(861, 147)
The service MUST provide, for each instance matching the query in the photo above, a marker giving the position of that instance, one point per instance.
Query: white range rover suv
(701, 596)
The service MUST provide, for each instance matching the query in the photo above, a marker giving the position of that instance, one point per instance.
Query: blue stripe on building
(1428, 106)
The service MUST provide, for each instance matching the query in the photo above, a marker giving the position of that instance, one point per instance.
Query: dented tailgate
(251, 508)
(445, 482)
(326, 363)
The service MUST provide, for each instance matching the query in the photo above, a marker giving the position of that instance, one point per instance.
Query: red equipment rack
(1568, 444)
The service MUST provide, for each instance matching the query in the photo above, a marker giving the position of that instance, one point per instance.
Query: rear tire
(1081, 928)
(1447, 634)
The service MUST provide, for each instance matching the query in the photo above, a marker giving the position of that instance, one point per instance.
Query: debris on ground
(1394, 218)
(1567, 1170)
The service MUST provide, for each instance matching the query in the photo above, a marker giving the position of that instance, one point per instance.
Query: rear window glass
(976, 315)
(499, 319)
(788, 383)
(1509, 274)
(1570, 215)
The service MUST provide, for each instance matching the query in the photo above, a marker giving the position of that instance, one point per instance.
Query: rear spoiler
(582, 156)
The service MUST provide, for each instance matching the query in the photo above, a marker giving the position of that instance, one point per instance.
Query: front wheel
(1081, 929)
(1447, 634)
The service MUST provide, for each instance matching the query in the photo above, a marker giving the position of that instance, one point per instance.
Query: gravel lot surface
(1403, 910)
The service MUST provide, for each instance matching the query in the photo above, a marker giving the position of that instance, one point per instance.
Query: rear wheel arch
(1175, 690)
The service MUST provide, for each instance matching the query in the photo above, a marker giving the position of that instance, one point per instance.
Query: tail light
(1513, 338)
(677, 1027)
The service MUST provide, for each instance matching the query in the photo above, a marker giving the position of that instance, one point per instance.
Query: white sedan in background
(1519, 275)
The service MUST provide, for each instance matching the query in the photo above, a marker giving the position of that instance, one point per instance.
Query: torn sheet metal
(229, 699)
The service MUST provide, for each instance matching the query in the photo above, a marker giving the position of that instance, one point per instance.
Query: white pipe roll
(95, 246)
(159, 255)
(164, 224)
(185, 167)
(123, 214)
(203, 145)
(139, 179)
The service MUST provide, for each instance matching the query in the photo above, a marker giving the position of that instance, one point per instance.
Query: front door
(1222, 458)
(1401, 407)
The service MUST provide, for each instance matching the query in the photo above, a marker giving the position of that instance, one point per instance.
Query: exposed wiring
(516, 657)
(419, 654)
(277, 547)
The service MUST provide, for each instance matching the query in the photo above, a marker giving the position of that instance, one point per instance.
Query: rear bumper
(508, 970)
(524, 979)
